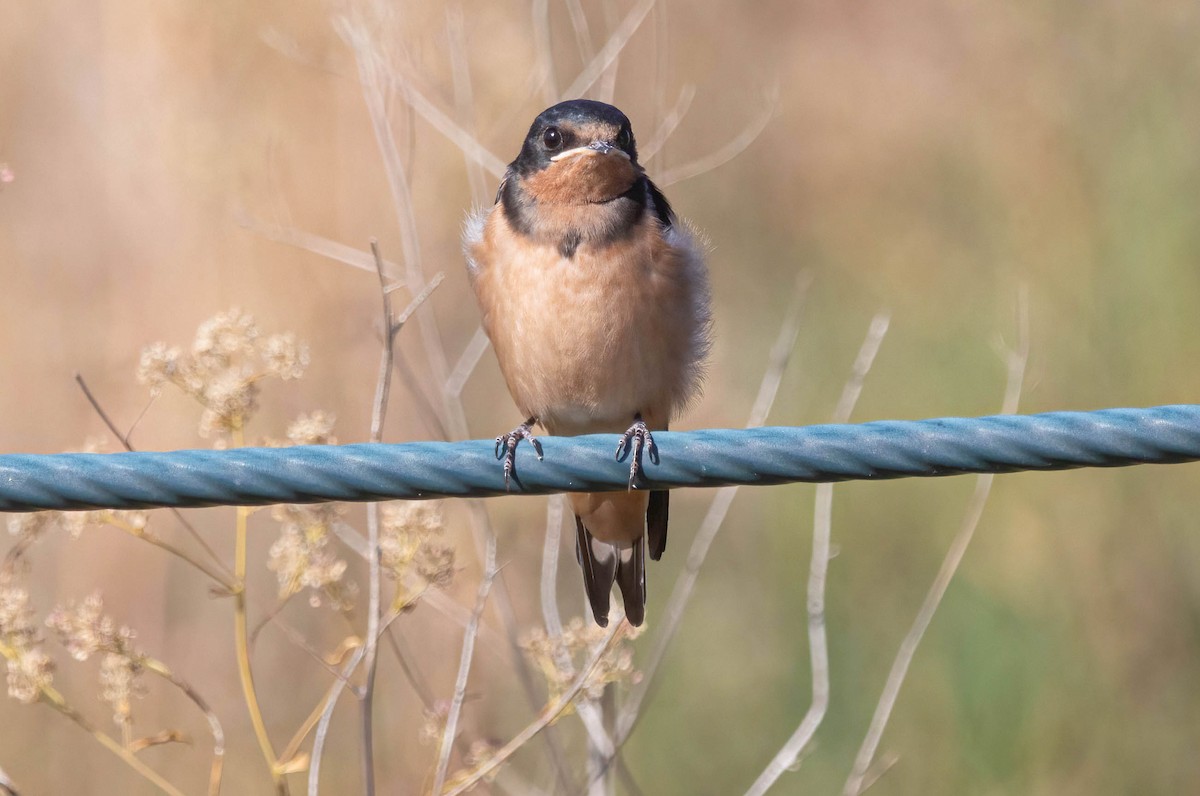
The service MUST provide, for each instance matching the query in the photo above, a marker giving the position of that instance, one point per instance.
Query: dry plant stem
(579, 23)
(608, 54)
(464, 669)
(818, 567)
(331, 700)
(466, 362)
(729, 151)
(223, 579)
(1016, 363)
(667, 128)
(55, 700)
(547, 715)
(146, 536)
(375, 576)
(373, 76)
(777, 363)
(542, 40)
(589, 714)
(241, 642)
(464, 99)
(314, 244)
(214, 724)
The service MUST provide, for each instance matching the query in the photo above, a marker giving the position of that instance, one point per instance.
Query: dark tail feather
(599, 563)
(656, 522)
(631, 579)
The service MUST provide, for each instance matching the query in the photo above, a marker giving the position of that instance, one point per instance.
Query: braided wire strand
(714, 457)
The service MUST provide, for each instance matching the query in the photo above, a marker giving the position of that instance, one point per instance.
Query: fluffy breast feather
(585, 342)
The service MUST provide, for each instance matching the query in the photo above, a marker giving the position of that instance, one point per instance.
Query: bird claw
(636, 439)
(506, 448)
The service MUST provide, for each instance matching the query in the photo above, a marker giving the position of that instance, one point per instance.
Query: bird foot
(636, 438)
(506, 448)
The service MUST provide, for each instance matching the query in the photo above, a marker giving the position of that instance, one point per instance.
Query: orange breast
(585, 343)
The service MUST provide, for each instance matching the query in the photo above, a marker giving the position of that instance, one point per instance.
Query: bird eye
(624, 138)
(552, 138)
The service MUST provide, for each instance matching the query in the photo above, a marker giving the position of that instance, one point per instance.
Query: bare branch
(579, 23)
(331, 700)
(727, 152)
(610, 51)
(1016, 364)
(214, 724)
(548, 715)
(316, 244)
(464, 99)
(544, 47)
(226, 578)
(467, 362)
(464, 668)
(681, 593)
(818, 648)
(663, 133)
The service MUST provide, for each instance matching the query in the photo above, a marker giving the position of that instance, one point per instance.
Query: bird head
(578, 152)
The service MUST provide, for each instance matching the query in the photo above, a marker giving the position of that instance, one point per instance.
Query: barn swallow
(596, 300)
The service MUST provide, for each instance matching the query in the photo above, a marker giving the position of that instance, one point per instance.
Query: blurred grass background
(927, 157)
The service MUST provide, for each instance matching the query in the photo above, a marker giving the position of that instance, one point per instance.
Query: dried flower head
(284, 357)
(222, 370)
(559, 657)
(30, 669)
(433, 724)
(85, 630)
(132, 520)
(159, 365)
(223, 337)
(120, 682)
(303, 556)
(29, 526)
(413, 551)
(230, 397)
(315, 428)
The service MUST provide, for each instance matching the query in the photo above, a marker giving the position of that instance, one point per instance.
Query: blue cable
(715, 457)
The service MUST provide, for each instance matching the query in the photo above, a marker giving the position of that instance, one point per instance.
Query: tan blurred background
(929, 158)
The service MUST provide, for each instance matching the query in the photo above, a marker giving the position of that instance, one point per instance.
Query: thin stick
(331, 700)
(55, 700)
(730, 150)
(610, 51)
(214, 724)
(371, 74)
(315, 244)
(606, 85)
(1016, 363)
(671, 121)
(464, 100)
(375, 575)
(464, 669)
(467, 362)
(777, 363)
(548, 715)
(245, 675)
(543, 46)
(818, 648)
(589, 713)
(127, 445)
(579, 23)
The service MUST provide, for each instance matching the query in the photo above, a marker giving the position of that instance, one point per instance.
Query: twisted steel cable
(715, 457)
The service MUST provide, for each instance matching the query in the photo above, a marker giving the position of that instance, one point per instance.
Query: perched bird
(596, 301)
